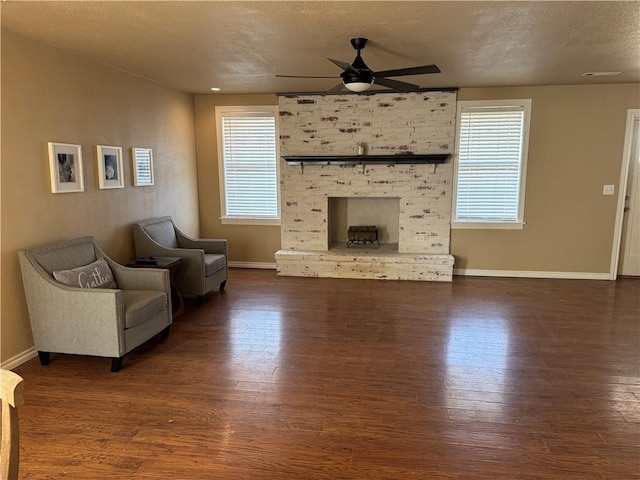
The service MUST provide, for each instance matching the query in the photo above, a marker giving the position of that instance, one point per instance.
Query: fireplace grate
(362, 234)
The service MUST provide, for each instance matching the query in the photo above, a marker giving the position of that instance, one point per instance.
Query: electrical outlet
(608, 190)
(420, 238)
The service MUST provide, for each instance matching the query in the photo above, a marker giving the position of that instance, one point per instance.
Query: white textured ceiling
(239, 46)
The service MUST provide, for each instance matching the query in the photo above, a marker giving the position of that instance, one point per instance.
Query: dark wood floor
(298, 378)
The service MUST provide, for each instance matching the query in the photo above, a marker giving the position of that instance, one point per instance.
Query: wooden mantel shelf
(412, 159)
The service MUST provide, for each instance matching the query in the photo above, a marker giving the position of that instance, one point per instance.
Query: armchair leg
(45, 358)
(116, 363)
(199, 299)
(164, 334)
(222, 285)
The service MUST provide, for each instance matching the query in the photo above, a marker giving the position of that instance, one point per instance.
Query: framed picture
(110, 172)
(142, 166)
(65, 165)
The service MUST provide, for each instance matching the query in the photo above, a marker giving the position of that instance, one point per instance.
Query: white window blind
(249, 160)
(491, 163)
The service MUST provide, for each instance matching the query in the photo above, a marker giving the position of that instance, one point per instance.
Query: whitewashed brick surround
(388, 123)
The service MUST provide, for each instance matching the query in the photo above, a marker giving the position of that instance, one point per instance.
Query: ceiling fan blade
(399, 72)
(303, 76)
(396, 85)
(337, 88)
(344, 66)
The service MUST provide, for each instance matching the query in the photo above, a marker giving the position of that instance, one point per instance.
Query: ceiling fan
(358, 77)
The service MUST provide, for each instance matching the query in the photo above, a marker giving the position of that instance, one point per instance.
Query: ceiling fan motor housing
(358, 43)
(361, 77)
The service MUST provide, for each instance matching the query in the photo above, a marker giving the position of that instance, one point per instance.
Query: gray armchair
(204, 260)
(113, 309)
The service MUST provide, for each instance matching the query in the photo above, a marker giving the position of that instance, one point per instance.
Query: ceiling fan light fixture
(358, 86)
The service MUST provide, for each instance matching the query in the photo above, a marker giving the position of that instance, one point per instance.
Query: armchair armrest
(209, 245)
(140, 278)
(192, 270)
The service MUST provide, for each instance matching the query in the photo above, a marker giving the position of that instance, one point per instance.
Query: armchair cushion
(139, 305)
(67, 256)
(213, 263)
(163, 233)
(95, 275)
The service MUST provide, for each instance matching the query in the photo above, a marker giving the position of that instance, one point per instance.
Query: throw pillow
(95, 275)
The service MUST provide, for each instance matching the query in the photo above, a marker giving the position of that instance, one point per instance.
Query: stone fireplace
(320, 201)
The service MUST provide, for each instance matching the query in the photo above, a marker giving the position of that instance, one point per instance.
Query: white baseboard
(263, 265)
(531, 274)
(19, 359)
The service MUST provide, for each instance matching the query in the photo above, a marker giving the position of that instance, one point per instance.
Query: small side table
(173, 264)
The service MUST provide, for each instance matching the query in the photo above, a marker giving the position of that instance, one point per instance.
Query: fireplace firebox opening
(344, 213)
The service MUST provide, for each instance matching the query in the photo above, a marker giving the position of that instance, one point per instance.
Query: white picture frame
(142, 161)
(65, 167)
(110, 171)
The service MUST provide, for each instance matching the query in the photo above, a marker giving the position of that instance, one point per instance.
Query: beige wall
(52, 95)
(575, 147)
(246, 243)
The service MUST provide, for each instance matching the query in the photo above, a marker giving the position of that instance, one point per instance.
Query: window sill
(487, 225)
(249, 221)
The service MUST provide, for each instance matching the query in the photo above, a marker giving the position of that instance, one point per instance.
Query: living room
(52, 94)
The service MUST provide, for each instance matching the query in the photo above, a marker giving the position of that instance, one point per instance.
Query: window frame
(259, 110)
(523, 103)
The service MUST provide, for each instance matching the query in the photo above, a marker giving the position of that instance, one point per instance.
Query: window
(491, 164)
(248, 164)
